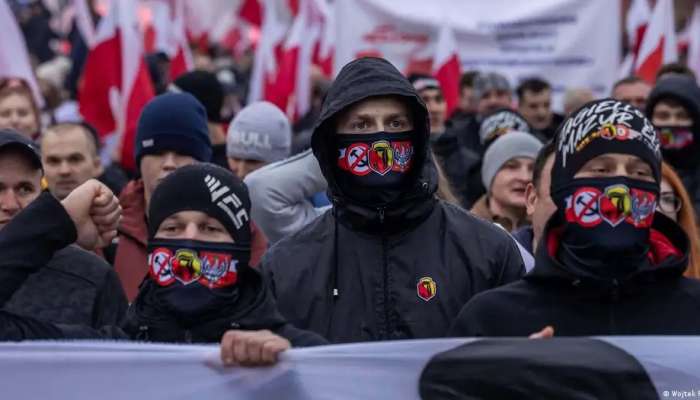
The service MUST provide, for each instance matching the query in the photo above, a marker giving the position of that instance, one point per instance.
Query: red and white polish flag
(115, 84)
(659, 45)
(636, 23)
(14, 57)
(446, 67)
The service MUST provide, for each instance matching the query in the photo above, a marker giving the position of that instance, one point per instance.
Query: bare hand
(251, 348)
(95, 211)
(545, 333)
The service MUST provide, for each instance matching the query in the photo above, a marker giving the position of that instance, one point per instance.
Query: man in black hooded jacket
(608, 263)
(674, 108)
(389, 261)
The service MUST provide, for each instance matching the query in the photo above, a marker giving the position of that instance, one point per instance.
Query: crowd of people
(376, 216)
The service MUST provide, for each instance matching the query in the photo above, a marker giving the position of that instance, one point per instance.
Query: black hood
(666, 233)
(359, 80)
(680, 88)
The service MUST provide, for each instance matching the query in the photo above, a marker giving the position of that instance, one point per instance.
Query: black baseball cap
(9, 138)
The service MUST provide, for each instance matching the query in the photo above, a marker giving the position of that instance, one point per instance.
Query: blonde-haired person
(18, 109)
(675, 203)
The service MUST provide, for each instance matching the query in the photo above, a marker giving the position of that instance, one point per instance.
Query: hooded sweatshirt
(685, 91)
(361, 273)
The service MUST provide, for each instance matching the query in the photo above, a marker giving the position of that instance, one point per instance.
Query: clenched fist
(95, 211)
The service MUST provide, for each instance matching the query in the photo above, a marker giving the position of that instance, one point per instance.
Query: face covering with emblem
(678, 145)
(193, 275)
(608, 222)
(374, 168)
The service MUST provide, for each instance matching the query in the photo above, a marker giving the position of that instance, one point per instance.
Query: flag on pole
(446, 67)
(115, 82)
(14, 57)
(658, 46)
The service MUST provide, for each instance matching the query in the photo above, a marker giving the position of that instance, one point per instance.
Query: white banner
(570, 43)
(388, 370)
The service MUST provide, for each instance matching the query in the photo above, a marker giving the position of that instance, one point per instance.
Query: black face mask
(194, 276)
(608, 223)
(679, 146)
(374, 168)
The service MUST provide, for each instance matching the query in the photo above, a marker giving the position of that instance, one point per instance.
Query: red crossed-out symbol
(584, 207)
(356, 159)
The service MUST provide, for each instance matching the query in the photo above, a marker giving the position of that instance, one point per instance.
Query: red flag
(658, 46)
(276, 21)
(251, 12)
(14, 58)
(179, 51)
(115, 82)
(638, 17)
(446, 67)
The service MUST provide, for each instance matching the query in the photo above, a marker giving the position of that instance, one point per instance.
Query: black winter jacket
(254, 309)
(63, 284)
(655, 300)
(28, 292)
(359, 273)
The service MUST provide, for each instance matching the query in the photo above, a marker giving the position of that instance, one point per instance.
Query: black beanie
(204, 187)
(173, 121)
(206, 88)
(600, 127)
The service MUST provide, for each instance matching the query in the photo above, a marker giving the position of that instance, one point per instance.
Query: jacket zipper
(385, 271)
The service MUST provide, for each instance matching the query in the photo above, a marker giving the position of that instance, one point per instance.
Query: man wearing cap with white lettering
(260, 134)
(172, 132)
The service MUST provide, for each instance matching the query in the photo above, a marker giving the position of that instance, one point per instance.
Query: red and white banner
(571, 43)
(14, 58)
(115, 82)
(81, 370)
(659, 44)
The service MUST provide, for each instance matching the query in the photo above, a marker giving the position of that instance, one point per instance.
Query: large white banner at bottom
(389, 370)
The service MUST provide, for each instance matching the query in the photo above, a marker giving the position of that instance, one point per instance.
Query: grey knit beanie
(260, 131)
(487, 81)
(511, 145)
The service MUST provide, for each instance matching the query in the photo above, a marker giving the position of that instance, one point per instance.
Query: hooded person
(389, 260)
(674, 108)
(609, 264)
(200, 283)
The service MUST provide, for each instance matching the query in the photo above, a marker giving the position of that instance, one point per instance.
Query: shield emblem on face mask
(615, 204)
(381, 157)
(186, 266)
(218, 270)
